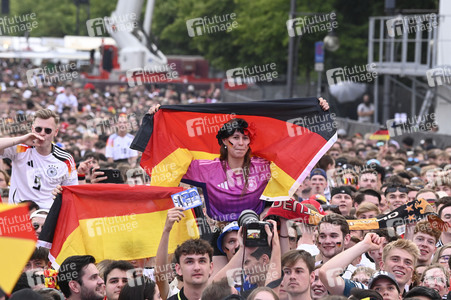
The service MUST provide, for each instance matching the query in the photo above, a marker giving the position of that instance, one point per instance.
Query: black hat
(341, 190)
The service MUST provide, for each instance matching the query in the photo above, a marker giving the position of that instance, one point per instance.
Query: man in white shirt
(66, 99)
(38, 166)
(118, 144)
(365, 110)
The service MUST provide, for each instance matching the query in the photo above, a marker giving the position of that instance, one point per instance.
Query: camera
(254, 233)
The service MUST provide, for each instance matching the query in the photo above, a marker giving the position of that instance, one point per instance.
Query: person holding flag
(236, 180)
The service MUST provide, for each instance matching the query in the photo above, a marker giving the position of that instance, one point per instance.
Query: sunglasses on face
(329, 206)
(46, 130)
(36, 226)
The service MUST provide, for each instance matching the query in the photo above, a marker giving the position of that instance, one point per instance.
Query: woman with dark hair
(236, 179)
(147, 290)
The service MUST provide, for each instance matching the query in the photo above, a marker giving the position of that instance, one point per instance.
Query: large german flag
(112, 221)
(292, 134)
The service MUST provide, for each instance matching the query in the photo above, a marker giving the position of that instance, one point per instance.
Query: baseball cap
(341, 190)
(230, 227)
(318, 171)
(383, 274)
(318, 197)
(316, 204)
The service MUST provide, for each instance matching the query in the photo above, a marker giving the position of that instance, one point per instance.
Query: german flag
(112, 221)
(380, 135)
(17, 241)
(292, 134)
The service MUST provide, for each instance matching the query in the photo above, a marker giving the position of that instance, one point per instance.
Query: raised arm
(275, 266)
(235, 262)
(161, 261)
(30, 139)
(330, 273)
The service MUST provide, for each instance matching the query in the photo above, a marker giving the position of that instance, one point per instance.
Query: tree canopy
(260, 36)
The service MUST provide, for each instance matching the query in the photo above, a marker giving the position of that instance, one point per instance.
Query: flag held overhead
(291, 134)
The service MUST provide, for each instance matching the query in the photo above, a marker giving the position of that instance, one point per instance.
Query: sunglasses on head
(393, 189)
(46, 130)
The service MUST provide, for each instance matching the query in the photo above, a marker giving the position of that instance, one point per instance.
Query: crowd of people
(62, 136)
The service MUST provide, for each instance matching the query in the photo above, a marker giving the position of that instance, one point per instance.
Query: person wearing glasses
(38, 219)
(443, 256)
(38, 165)
(437, 278)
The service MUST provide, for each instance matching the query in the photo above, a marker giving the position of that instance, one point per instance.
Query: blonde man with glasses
(38, 165)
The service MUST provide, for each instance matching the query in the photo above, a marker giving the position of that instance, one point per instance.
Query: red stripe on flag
(275, 140)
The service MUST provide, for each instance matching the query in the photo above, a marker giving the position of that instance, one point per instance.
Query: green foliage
(261, 35)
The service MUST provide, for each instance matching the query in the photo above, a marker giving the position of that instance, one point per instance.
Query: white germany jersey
(35, 176)
(118, 147)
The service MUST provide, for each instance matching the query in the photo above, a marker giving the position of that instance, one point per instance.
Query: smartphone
(113, 176)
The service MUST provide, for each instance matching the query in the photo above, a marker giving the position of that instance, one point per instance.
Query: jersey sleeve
(10, 152)
(72, 177)
(109, 148)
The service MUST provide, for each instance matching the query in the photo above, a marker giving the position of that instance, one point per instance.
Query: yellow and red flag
(17, 243)
(112, 221)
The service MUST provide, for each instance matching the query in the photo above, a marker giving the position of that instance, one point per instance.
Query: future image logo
(211, 25)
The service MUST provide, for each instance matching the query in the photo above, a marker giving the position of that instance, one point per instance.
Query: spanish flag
(292, 134)
(112, 221)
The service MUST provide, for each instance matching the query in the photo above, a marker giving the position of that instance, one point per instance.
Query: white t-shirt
(34, 177)
(364, 108)
(63, 100)
(118, 147)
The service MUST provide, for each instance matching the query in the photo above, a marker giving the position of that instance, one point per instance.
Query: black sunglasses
(401, 189)
(47, 130)
(329, 206)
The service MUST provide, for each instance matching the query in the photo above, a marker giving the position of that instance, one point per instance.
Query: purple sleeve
(194, 171)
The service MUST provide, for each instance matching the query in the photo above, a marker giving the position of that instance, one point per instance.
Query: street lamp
(331, 41)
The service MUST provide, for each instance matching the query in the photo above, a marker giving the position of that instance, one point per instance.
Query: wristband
(81, 176)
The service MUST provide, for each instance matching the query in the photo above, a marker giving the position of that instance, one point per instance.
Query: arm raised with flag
(161, 260)
(258, 143)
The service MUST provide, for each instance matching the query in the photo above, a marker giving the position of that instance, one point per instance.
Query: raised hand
(174, 215)
(31, 139)
(323, 103)
(373, 241)
(153, 109)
